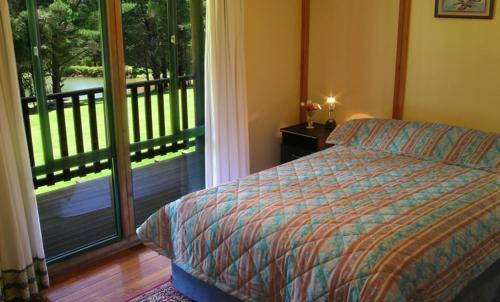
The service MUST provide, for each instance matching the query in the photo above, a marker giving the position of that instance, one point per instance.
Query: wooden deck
(83, 214)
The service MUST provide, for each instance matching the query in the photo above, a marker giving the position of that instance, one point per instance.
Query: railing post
(63, 139)
(39, 81)
(161, 113)
(149, 115)
(184, 108)
(27, 129)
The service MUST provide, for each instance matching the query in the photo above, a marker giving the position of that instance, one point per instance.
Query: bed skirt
(485, 288)
(196, 289)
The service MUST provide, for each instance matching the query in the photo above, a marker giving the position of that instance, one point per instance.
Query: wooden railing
(97, 156)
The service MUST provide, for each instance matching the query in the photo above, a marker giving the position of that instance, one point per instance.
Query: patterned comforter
(344, 224)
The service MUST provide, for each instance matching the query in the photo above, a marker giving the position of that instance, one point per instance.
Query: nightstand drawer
(304, 141)
(291, 152)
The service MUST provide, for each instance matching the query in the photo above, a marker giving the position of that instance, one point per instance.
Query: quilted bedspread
(344, 224)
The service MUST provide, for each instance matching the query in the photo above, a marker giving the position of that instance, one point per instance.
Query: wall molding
(401, 59)
(304, 56)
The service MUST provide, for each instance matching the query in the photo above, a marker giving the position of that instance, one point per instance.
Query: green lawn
(37, 141)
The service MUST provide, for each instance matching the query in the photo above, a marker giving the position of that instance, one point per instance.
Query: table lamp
(330, 123)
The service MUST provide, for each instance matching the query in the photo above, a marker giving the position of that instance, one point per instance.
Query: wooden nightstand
(298, 141)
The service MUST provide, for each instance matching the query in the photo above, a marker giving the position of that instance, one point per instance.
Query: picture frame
(471, 9)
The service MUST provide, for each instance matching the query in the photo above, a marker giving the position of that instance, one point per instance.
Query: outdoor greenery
(37, 144)
(70, 131)
(70, 48)
(71, 45)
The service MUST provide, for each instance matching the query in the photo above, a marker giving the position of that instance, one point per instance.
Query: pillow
(449, 144)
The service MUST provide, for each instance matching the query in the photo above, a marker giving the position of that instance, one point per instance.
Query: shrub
(96, 71)
(83, 71)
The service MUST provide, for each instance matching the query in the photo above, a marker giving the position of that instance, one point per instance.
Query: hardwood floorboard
(113, 279)
(123, 261)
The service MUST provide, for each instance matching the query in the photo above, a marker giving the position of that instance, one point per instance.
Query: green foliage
(22, 47)
(69, 34)
(97, 71)
(147, 38)
(69, 31)
(70, 39)
(83, 71)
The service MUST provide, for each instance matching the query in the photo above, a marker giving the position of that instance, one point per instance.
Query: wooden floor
(115, 279)
(83, 214)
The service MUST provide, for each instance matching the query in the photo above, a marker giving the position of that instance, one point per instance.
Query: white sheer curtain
(226, 126)
(22, 266)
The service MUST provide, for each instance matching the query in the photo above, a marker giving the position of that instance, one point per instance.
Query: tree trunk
(164, 65)
(21, 83)
(181, 64)
(146, 60)
(156, 73)
(56, 80)
(56, 74)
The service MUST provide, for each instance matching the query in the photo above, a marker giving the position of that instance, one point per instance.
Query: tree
(22, 49)
(68, 34)
(147, 37)
(184, 37)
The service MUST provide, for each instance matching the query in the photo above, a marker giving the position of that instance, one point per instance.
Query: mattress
(349, 223)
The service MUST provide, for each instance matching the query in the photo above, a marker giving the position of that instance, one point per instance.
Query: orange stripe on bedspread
(416, 136)
(307, 255)
(281, 244)
(483, 148)
(416, 248)
(431, 145)
(461, 144)
(373, 133)
(391, 135)
(346, 269)
(254, 224)
(472, 258)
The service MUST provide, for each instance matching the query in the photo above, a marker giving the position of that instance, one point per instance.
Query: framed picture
(476, 9)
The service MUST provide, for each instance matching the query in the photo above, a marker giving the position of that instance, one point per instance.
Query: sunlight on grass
(70, 132)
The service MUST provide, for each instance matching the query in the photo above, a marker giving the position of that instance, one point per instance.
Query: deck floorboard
(83, 214)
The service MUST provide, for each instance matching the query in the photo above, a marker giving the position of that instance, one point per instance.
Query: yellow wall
(272, 37)
(454, 70)
(352, 56)
(453, 64)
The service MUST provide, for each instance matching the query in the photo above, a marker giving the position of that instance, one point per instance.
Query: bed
(394, 211)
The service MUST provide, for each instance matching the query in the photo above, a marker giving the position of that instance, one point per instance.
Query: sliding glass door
(163, 95)
(70, 103)
(67, 114)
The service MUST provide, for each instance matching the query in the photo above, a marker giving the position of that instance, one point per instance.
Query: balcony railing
(91, 155)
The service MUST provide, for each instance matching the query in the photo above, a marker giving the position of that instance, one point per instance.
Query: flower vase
(310, 123)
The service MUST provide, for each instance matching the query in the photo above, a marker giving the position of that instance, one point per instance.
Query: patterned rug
(163, 292)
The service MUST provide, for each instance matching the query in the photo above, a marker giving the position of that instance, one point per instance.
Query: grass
(70, 132)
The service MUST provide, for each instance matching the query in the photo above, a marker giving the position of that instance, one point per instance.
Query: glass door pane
(166, 142)
(59, 58)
